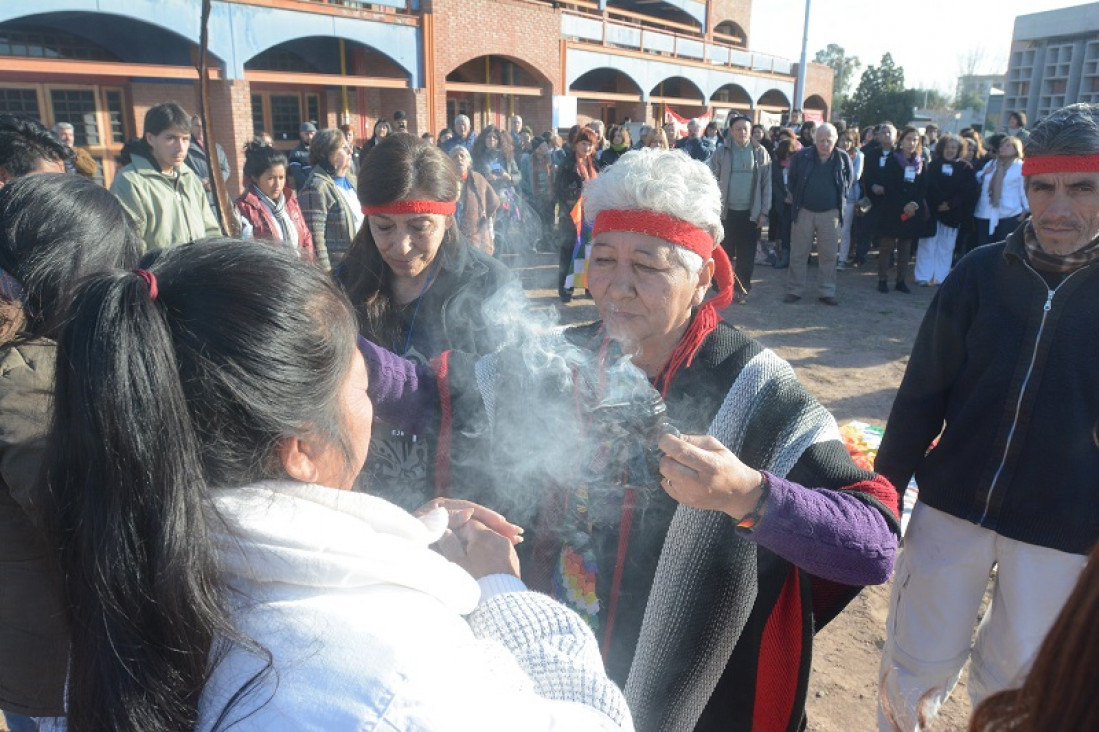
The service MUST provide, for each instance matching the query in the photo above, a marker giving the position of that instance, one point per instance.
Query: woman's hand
(462, 512)
(479, 550)
(701, 472)
(911, 208)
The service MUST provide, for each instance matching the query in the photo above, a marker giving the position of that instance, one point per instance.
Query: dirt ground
(851, 358)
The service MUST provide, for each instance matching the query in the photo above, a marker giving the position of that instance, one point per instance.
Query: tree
(844, 68)
(881, 95)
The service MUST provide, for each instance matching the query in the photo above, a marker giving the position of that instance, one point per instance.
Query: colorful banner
(671, 118)
(581, 250)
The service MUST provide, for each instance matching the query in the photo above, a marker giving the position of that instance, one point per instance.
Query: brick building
(100, 64)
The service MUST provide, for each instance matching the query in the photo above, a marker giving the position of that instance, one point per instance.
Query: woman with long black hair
(55, 230)
(211, 417)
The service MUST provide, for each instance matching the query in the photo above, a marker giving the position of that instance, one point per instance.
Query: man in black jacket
(298, 159)
(1003, 374)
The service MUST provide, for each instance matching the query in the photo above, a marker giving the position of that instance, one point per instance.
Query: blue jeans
(19, 723)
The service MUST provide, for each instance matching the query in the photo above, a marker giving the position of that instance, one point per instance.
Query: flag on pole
(581, 251)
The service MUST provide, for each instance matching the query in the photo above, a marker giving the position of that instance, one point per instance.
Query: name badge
(909, 173)
(881, 162)
(948, 169)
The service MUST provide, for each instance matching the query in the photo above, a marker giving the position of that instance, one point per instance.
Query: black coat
(959, 190)
(898, 193)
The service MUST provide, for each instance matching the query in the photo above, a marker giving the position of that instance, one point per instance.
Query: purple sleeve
(405, 394)
(831, 534)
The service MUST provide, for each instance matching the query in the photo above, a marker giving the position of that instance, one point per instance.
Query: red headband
(1061, 164)
(662, 226)
(446, 208)
(679, 232)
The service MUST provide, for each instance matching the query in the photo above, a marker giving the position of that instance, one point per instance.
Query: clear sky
(929, 39)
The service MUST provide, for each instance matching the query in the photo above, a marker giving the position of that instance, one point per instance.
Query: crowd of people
(335, 473)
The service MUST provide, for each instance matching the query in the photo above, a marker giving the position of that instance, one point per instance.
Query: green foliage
(881, 95)
(844, 67)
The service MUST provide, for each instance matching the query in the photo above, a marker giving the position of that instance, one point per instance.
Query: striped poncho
(708, 630)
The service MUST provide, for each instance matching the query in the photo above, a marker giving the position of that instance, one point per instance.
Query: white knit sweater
(365, 627)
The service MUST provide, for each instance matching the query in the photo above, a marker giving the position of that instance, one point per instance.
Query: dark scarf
(1046, 262)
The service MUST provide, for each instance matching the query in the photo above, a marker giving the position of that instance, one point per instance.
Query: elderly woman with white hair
(704, 583)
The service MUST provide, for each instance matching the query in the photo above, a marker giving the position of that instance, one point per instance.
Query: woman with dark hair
(212, 419)
(382, 129)
(903, 207)
(494, 158)
(418, 289)
(55, 230)
(951, 195)
(568, 186)
(328, 200)
(781, 202)
(268, 209)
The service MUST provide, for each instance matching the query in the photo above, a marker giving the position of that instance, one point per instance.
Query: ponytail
(157, 402)
(140, 568)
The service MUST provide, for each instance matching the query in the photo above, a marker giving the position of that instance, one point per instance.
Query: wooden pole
(216, 183)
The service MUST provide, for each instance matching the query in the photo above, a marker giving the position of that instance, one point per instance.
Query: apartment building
(100, 64)
(1054, 61)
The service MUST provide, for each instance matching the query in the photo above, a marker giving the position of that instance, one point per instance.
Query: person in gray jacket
(743, 172)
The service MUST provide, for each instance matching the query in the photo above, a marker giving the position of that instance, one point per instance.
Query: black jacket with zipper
(1006, 367)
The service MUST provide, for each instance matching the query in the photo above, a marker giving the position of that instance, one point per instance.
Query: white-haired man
(694, 144)
(463, 134)
(1004, 368)
(820, 177)
(82, 162)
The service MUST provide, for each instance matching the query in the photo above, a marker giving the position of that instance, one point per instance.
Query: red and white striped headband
(1041, 164)
(408, 206)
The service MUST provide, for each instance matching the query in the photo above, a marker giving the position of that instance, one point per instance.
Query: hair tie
(150, 280)
(446, 208)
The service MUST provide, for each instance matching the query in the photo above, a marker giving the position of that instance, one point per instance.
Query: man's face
(885, 137)
(402, 125)
(741, 132)
(1064, 210)
(516, 124)
(693, 129)
(598, 127)
(825, 141)
(65, 134)
(169, 147)
(307, 137)
(196, 130)
(461, 128)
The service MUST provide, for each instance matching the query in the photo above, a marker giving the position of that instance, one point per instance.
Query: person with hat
(299, 157)
(705, 582)
(995, 419)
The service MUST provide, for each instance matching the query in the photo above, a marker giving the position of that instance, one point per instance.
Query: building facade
(100, 64)
(1054, 61)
